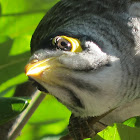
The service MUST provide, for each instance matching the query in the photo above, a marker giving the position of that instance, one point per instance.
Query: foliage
(11, 107)
(18, 20)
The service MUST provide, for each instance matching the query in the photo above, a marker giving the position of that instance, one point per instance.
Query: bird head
(78, 52)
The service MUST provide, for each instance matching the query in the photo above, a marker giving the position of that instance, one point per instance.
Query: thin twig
(25, 116)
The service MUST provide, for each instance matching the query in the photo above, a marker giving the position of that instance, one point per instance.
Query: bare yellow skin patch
(76, 47)
(75, 43)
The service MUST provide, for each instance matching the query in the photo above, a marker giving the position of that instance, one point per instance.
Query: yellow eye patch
(67, 43)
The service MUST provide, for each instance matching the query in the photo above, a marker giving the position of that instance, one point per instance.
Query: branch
(25, 116)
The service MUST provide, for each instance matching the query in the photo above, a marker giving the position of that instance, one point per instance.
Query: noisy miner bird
(86, 53)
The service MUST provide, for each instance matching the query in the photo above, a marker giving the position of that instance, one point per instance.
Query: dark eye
(62, 43)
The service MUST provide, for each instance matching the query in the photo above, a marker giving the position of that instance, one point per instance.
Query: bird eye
(62, 43)
(65, 43)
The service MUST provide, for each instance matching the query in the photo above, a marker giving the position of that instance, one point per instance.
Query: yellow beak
(36, 68)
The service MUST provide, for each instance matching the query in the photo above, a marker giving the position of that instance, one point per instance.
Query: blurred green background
(18, 20)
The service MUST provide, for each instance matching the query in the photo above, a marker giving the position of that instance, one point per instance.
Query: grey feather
(114, 30)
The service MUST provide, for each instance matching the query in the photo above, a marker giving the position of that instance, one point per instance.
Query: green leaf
(119, 132)
(137, 124)
(133, 122)
(130, 122)
(11, 107)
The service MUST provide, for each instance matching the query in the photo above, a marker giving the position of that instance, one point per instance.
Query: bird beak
(36, 68)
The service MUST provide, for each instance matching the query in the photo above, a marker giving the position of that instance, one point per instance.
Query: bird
(86, 53)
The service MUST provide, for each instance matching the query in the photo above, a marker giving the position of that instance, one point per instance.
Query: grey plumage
(109, 66)
(65, 11)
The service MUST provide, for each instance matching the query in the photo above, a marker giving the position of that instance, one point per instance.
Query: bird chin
(38, 85)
